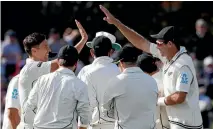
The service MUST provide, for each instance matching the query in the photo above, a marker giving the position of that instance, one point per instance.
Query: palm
(81, 29)
(109, 17)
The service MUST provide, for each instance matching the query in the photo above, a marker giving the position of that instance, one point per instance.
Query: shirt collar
(29, 60)
(181, 51)
(132, 70)
(65, 71)
(103, 60)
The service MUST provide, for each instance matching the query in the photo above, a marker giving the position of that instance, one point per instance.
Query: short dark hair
(147, 63)
(32, 40)
(99, 53)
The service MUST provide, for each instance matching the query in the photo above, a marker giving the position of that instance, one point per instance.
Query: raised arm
(136, 39)
(84, 37)
(79, 46)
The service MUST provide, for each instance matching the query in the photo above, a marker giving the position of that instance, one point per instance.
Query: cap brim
(116, 61)
(115, 46)
(52, 54)
(156, 36)
(89, 44)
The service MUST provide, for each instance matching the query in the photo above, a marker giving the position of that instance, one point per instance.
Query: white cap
(115, 46)
(208, 61)
(106, 34)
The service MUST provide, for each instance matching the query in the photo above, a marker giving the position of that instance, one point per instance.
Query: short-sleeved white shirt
(179, 75)
(12, 100)
(29, 74)
(59, 98)
(131, 98)
(97, 76)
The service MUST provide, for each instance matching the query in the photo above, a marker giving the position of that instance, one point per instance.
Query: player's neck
(34, 58)
(172, 53)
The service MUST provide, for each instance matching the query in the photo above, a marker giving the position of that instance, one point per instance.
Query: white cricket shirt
(161, 116)
(12, 101)
(131, 99)
(28, 74)
(59, 98)
(179, 75)
(96, 76)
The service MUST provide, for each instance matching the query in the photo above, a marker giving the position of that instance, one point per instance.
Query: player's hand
(109, 17)
(82, 31)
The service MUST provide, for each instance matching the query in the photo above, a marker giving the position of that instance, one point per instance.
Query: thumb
(105, 18)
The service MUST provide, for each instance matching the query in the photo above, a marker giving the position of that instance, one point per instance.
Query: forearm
(54, 65)
(84, 112)
(79, 46)
(176, 98)
(14, 118)
(136, 39)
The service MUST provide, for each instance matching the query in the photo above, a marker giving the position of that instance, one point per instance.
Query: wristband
(161, 101)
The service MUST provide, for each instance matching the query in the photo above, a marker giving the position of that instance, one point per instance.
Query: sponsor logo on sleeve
(15, 93)
(184, 78)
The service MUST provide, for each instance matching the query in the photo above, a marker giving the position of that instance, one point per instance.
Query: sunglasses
(160, 43)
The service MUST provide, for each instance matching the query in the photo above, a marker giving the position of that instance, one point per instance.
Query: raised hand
(82, 31)
(109, 17)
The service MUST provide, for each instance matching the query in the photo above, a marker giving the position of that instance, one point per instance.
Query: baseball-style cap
(111, 37)
(101, 43)
(167, 34)
(147, 63)
(52, 54)
(127, 54)
(69, 54)
(11, 33)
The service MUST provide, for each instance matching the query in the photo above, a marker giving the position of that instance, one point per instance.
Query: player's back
(136, 108)
(57, 99)
(96, 76)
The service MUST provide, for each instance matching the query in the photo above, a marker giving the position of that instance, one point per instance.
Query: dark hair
(32, 40)
(65, 63)
(99, 53)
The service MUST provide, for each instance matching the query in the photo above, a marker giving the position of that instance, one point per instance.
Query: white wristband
(161, 101)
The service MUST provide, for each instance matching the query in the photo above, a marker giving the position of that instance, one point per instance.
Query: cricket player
(131, 96)
(12, 105)
(148, 64)
(59, 97)
(96, 77)
(37, 65)
(179, 76)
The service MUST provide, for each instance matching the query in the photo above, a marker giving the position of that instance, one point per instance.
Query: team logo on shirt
(15, 93)
(39, 64)
(184, 78)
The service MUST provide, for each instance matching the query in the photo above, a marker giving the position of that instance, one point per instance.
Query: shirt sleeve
(83, 108)
(113, 90)
(184, 79)
(12, 97)
(156, 53)
(31, 105)
(91, 89)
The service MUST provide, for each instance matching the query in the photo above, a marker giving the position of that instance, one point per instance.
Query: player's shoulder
(85, 70)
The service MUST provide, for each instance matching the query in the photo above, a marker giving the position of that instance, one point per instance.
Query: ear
(76, 64)
(170, 43)
(111, 52)
(33, 50)
(92, 53)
